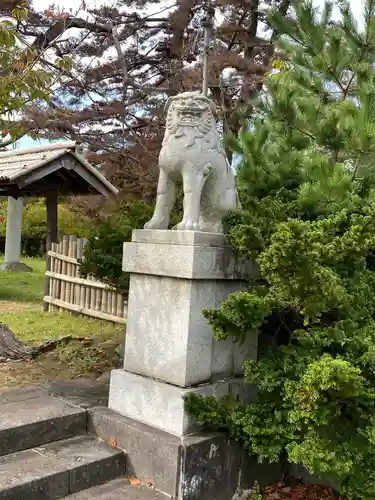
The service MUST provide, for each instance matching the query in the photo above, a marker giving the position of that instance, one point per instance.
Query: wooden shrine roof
(54, 167)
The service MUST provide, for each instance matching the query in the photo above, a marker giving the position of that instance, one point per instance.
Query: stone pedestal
(170, 350)
(12, 258)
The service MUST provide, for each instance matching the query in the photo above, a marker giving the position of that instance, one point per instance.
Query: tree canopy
(25, 80)
(22, 81)
(307, 185)
(127, 59)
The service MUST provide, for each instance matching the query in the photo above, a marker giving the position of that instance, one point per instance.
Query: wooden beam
(52, 229)
(40, 173)
(92, 180)
(66, 174)
(83, 310)
(51, 204)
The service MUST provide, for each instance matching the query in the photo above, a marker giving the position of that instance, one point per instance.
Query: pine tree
(307, 184)
(127, 59)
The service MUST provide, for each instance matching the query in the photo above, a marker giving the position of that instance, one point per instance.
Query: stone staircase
(46, 452)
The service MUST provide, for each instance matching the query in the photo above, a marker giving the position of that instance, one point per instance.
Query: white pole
(205, 60)
(208, 27)
(13, 231)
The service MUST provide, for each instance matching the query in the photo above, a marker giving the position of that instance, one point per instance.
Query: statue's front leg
(165, 200)
(193, 182)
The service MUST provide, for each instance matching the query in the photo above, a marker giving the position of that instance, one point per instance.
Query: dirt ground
(74, 359)
(9, 306)
(299, 492)
(71, 361)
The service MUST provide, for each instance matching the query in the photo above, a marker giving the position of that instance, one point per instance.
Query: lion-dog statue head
(192, 115)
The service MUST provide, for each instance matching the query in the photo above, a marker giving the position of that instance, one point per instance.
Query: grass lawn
(23, 287)
(21, 296)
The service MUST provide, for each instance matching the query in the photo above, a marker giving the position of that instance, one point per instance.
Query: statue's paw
(187, 225)
(156, 223)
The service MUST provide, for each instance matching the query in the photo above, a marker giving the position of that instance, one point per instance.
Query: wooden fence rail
(67, 291)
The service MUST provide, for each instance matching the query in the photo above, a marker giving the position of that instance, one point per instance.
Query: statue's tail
(232, 177)
(238, 203)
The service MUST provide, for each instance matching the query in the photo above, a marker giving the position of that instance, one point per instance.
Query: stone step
(35, 421)
(119, 489)
(59, 469)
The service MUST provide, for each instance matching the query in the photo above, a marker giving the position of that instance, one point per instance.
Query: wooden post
(59, 270)
(64, 268)
(53, 281)
(82, 288)
(52, 216)
(51, 205)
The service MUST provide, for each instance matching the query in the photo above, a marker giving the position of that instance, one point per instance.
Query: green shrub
(34, 220)
(34, 225)
(103, 251)
(307, 185)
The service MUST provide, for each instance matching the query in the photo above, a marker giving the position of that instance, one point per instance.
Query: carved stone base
(196, 467)
(162, 405)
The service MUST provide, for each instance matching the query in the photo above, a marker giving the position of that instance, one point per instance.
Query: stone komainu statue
(192, 151)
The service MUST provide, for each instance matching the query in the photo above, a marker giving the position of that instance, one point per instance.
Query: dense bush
(34, 225)
(307, 186)
(103, 251)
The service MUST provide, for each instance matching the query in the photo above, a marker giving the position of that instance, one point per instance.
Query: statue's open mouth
(189, 114)
(191, 110)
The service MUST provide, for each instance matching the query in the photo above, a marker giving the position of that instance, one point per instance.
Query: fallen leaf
(134, 481)
(286, 490)
(299, 492)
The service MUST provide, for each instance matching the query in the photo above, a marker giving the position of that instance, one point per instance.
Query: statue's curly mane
(206, 121)
(205, 128)
(191, 121)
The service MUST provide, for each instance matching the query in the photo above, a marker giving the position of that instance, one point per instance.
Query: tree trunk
(12, 348)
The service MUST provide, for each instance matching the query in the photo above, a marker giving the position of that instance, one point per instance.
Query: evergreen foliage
(34, 225)
(307, 186)
(34, 220)
(103, 252)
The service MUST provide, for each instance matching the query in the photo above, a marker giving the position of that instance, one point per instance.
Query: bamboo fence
(67, 291)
